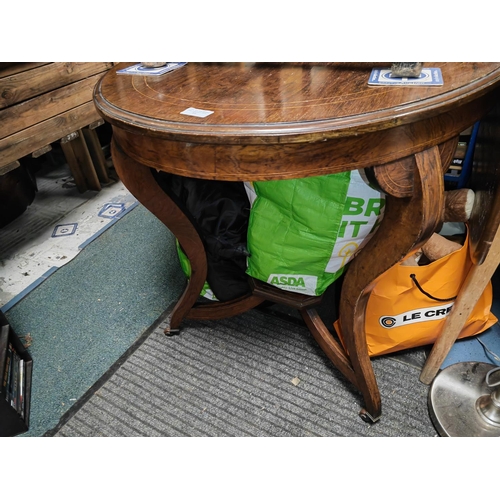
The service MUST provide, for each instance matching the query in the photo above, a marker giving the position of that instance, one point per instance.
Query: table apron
(236, 162)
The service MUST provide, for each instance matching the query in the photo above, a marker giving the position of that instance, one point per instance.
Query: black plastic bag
(219, 210)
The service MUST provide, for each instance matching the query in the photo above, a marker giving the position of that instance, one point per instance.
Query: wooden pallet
(44, 103)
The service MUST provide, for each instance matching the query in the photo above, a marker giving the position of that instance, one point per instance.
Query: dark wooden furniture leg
(409, 220)
(407, 223)
(141, 183)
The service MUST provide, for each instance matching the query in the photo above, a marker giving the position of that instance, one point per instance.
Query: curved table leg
(407, 223)
(141, 183)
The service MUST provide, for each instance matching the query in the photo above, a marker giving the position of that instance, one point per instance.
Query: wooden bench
(44, 103)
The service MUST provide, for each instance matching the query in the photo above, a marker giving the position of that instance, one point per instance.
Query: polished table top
(254, 102)
(312, 118)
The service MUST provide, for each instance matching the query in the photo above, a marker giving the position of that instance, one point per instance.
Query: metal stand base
(453, 398)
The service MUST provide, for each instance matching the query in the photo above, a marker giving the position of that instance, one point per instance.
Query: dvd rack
(16, 367)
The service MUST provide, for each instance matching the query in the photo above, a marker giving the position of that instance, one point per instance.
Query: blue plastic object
(462, 179)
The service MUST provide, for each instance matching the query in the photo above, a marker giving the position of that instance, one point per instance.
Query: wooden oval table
(272, 121)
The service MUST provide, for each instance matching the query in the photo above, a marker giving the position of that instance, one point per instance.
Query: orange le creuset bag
(409, 304)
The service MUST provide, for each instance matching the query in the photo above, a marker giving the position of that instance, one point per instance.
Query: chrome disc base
(452, 401)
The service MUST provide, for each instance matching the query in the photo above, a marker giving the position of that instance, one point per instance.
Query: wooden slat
(97, 154)
(33, 111)
(70, 137)
(7, 69)
(41, 151)
(22, 86)
(84, 159)
(96, 124)
(28, 140)
(74, 166)
(9, 167)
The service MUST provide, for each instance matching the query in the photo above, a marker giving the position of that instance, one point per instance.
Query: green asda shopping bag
(302, 232)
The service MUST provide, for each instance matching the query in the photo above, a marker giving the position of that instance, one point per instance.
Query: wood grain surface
(34, 79)
(290, 121)
(276, 103)
(28, 113)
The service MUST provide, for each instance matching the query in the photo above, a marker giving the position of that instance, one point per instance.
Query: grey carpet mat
(258, 374)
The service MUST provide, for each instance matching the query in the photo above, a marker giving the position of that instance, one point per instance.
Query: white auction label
(200, 113)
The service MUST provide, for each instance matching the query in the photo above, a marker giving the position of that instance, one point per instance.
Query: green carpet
(89, 312)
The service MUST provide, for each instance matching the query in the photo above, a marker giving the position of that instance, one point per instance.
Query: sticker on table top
(112, 210)
(64, 230)
(138, 69)
(199, 113)
(428, 76)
